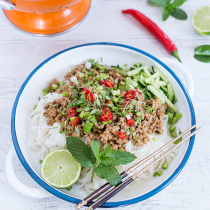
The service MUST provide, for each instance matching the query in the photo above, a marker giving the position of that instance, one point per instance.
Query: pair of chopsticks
(130, 179)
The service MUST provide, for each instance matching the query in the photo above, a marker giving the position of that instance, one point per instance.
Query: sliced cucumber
(170, 105)
(119, 70)
(141, 83)
(146, 72)
(157, 80)
(152, 77)
(162, 76)
(154, 85)
(134, 72)
(164, 90)
(162, 83)
(157, 93)
(171, 95)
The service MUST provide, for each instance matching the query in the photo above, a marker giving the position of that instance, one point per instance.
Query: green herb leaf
(116, 157)
(108, 172)
(179, 14)
(96, 149)
(160, 3)
(77, 130)
(166, 14)
(86, 109)
(80, 151)
(203, 50)
(98, 102)
(79, 110)
(177, 3)
(202, 58)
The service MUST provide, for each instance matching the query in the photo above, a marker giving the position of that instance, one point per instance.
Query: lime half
(201, 20)
(60, 169)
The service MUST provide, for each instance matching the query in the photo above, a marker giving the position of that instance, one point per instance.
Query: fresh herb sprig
(171, 8)
(103, 163)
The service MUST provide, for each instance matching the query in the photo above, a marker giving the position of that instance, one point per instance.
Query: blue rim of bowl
(66, 197)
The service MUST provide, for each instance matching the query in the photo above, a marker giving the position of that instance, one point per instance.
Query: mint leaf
(106, 150)
(80, 151)
(166, 14)
(96, 149)
(160, 3)
(109, 173)
(177, 3)
(116, 157)
(179, 14)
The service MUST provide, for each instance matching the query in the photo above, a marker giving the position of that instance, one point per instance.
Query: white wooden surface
(21, 53)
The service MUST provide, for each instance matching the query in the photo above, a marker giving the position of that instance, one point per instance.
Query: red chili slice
(106, 103)
(129, 95)
(107, 83)
(72, 112)
(121, 134)
(106, 115)
(90, 96)
(86, 91)
(101, 82)
(125, 103)
(130, 122)
(75, 121)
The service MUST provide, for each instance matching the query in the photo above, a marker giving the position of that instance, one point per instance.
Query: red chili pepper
(106, 115)
(125, 103)
(121, 134)
(106, 103)
(155, 30)
(75, 121)
(107, 83)
(129, 95)
(90, 97)
(72, 112)
(101, 82)
(86, 91)
(130, 122)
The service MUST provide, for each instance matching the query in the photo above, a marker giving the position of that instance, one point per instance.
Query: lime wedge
(201, 20)
(60, 169)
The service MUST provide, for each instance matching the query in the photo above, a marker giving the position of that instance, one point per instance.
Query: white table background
(21, 53)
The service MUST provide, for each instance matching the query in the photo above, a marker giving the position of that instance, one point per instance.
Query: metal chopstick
(124, 174)
(119, 187)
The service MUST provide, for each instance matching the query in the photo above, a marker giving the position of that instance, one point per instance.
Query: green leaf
(117, 157)
(166, 14)
(109, 173)
(179, 14)
(160, 3)
(96, 149)
(203, 50)
(106, 150)
(98, 102)
(202, 58)
(177, 3)
(80, 151)
(77, 130)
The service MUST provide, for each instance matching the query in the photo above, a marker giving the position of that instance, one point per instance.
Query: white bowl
(56, 67)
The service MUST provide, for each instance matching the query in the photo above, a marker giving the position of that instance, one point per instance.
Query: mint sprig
(80, 151)
(171, 9)
(108, 172)
(103, 162)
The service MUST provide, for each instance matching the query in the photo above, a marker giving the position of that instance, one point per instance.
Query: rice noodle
(44, 138)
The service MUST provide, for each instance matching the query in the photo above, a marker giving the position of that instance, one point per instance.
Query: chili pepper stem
(175, 54)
